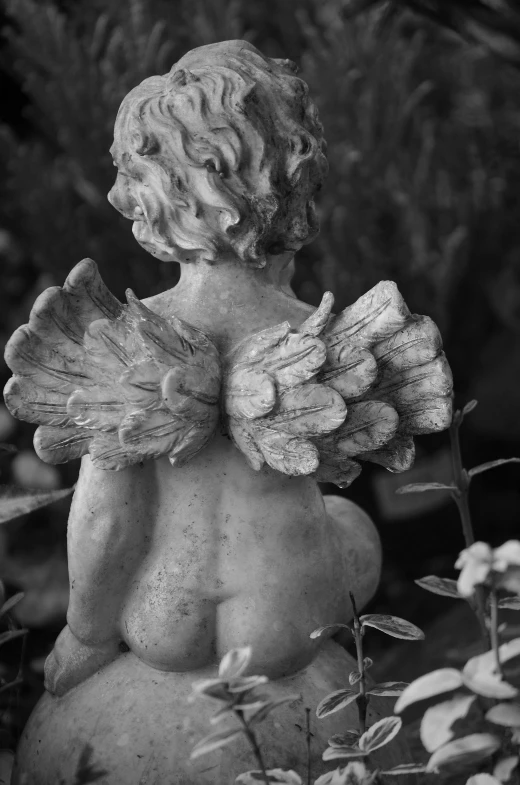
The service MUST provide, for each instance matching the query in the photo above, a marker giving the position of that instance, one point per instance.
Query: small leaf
(215, 742)
(354, 677)
(437, 721)
(354, 773)
(367, 663)
(224, 713)
(381, 733)
(213, 688)
(469, 407)
(318, 632)
(505, 767)
(445, 587)
(273, 775)
(482, 779)
(421, 487)
(388, 688)
(435, 683)
(235, 662)
(466, 751)
(15, 502)
(335, 753)
(480, 674)
(246, 683)
(334, 702)
(507, 714)
(11, 602)
(405, 768)
(9, 635)
(392, 625)
(347, 739)
(259, 714)
(485, 467)
(511, 603)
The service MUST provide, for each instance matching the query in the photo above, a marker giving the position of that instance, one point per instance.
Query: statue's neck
(231, 300)
(237, 278)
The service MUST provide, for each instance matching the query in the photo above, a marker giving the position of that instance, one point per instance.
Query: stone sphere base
(132, 725)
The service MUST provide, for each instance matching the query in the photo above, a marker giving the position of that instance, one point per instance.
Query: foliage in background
(495, 23)
(423, 133)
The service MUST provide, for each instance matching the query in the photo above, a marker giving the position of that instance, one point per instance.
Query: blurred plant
(485, 691)
(240, 700)
(489, 683)
(15, 502)
(495, 23)
(475, 554)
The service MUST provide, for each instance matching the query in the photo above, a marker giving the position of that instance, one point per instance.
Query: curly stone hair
(227, 151)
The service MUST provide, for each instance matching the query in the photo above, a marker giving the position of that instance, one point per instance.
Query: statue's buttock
(205, 418)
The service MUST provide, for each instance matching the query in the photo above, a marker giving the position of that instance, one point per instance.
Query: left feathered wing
(357, 386)
(116, 381)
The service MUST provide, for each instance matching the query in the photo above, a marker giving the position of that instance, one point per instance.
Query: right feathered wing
(390, 369)
(339, 389)
(117, 381)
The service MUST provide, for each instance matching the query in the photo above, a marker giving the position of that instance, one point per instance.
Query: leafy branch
(459, 491)
(241, 701)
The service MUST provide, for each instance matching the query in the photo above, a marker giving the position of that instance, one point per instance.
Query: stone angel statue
(205, 417)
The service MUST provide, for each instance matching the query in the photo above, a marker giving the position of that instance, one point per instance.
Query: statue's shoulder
(116, 381)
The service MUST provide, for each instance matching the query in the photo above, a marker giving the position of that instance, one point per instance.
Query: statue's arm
(107, 535)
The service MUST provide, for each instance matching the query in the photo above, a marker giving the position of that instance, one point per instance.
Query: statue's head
(223, 155)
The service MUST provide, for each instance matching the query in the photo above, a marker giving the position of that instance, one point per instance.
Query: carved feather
(356, 385)
(401, 385)
(117, 381)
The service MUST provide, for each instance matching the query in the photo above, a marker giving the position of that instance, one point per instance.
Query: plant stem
(254, 744)
(494, 629)
(461, 480)
(362, 702)
(461, 498)
(309, 736)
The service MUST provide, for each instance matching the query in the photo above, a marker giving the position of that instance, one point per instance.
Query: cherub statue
(205, 417)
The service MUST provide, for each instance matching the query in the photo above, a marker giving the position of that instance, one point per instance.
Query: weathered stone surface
(243, 397)
(139, 726)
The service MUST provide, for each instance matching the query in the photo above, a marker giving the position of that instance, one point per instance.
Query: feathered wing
(357, 386)
(116, 381)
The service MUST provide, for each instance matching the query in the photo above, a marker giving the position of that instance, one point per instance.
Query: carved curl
(228, 153)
